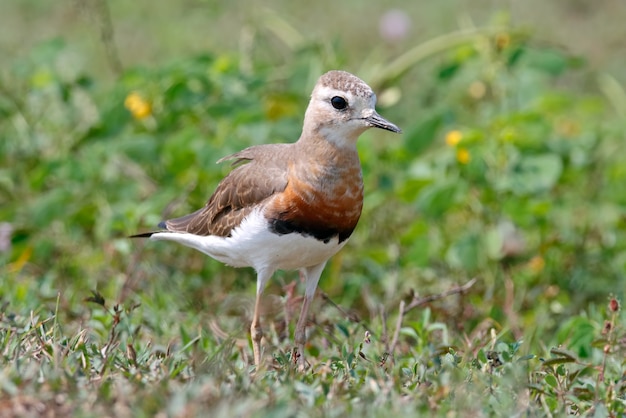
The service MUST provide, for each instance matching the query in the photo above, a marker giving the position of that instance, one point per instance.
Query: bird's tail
(143, 235)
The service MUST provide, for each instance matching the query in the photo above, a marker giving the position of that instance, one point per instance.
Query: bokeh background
(509, 171)
(148, 34)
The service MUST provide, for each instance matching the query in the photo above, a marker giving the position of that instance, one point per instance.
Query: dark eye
(339, 103)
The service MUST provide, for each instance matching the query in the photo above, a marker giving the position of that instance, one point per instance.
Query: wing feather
(261, 172)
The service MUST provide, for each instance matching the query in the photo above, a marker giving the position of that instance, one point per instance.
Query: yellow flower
(453, 138)
(463, 156)
(536, 264)
(138, 106)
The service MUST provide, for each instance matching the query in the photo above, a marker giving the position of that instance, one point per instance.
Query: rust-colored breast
(324, 208)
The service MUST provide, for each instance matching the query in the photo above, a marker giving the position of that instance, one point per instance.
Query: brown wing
(263, 174)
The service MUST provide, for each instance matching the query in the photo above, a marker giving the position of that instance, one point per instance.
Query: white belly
(253, 245)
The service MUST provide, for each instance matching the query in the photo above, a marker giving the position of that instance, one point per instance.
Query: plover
(289, 206)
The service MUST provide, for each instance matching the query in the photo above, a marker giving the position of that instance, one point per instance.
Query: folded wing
(260, 173)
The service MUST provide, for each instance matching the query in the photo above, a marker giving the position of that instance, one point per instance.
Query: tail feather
(143, 235)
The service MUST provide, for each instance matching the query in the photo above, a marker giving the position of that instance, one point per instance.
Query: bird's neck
(325, 162)
(327, 145)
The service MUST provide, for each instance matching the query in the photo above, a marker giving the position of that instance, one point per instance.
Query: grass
(484, 278)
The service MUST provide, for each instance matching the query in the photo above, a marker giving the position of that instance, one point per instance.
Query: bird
(289, 206)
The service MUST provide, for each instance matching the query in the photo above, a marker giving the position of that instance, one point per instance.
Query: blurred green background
(146, 33)
(509, 170)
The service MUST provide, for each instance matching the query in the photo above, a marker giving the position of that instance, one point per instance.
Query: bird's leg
(256, 332)
(300, 335)
(312, 275)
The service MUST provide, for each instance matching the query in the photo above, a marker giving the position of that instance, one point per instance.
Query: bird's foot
(256, 334)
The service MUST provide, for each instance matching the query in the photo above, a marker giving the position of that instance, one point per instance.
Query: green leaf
(533, 174)
(558, 360)
(466, 253)
(448, 71)
(550, 61)
(419, 250)
(579, 333)
(423, 134)
(482, 357)
(563, 352)
(551, 381)
(435, 200)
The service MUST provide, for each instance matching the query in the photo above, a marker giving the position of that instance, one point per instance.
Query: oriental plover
(289, 206)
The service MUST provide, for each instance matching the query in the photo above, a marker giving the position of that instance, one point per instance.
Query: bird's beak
(376, 121)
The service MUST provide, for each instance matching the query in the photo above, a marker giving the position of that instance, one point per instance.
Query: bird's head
(342, 107)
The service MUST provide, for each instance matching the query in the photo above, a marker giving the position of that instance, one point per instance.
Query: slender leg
(312, 275)
(256, 332)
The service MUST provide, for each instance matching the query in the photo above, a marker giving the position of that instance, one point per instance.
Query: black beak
(377, 121)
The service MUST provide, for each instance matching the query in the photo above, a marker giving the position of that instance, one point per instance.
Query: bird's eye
(339, 103)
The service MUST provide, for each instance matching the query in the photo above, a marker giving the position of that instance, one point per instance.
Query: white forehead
(325, 93)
